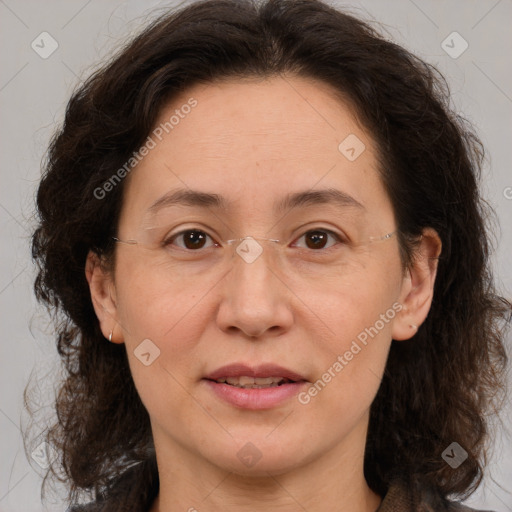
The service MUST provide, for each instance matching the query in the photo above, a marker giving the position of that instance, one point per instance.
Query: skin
(253, 142)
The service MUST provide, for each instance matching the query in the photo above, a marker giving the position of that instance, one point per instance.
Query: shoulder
(401, 498)
(133, 490)
(459, 507)
(90, 507)
(98, 505)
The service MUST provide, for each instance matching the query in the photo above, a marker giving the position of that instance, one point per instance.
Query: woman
(263, 227)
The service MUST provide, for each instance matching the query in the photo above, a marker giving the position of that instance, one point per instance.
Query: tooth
(244, 381)
(254, 386)
(260, 381)
(248, 382)
(235, 381)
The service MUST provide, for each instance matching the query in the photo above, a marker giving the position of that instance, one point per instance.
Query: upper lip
(263, 370)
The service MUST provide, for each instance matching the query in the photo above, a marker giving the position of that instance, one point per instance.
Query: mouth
(245, 376)
(255, 388)
(247, 382)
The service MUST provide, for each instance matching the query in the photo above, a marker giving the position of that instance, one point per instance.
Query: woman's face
(319, 308)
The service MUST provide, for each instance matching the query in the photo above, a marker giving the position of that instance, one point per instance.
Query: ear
(103, 295)
(418, 286)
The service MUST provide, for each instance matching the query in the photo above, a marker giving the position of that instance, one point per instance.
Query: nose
(255, 301)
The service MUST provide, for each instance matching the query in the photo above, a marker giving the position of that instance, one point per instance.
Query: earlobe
(418, 286)
(103, 297)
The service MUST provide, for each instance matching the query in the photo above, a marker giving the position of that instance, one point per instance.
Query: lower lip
(254, 398)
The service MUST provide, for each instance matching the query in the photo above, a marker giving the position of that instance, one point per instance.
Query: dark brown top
(397, 499)
(400, 499)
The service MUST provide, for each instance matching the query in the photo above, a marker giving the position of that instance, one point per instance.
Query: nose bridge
(251, 260)
(249, 248)
(253, 297)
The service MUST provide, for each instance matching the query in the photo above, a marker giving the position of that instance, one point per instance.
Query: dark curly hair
(436, 390)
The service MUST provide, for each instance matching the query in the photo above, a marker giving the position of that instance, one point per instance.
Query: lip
(254, 399)
(264, 370)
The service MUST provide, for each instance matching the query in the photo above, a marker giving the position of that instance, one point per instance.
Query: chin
(263, 468)
(257, 457)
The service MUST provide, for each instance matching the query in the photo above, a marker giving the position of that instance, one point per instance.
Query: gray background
(33, 95)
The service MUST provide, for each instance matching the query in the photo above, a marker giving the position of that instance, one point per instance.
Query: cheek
(156, 304)
(162, 322)
(352, 364)
(367, 301)
(358, 324)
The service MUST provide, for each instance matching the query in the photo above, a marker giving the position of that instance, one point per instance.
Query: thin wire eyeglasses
(249, 249)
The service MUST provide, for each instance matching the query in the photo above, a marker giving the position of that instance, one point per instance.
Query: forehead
(269, 119)
(255, 141)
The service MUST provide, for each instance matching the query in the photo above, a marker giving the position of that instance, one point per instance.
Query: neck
(333, 482)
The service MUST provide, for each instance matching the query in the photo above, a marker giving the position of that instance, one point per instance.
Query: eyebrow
(188, 197)
(314, 197)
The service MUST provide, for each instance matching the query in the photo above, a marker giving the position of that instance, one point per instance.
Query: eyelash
(340, 238)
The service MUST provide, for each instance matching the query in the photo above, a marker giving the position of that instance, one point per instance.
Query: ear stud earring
(110, 336)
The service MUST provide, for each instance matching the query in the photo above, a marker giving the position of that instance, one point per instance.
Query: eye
(318, 238)
(191, 239)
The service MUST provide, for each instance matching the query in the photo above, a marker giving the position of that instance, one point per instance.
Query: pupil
(194, 239)
(318, 239)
